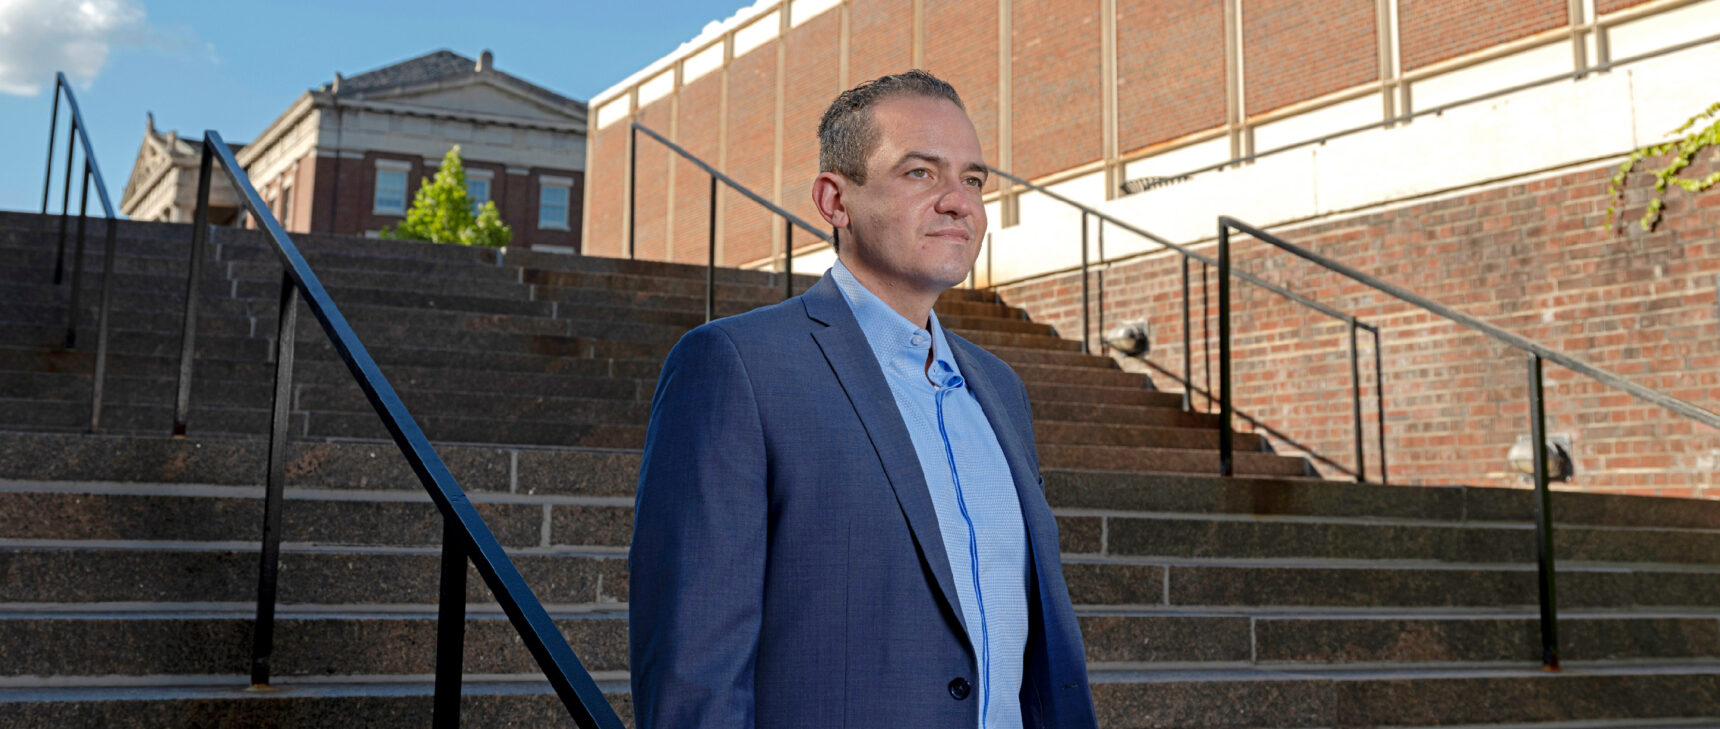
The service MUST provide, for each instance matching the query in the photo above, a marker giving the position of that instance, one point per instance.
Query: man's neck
(913, 305)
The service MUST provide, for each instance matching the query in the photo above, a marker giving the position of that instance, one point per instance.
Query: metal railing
(1537, 354)
(79, 137)
(465, 536)
(790, 220)
(1226, 439)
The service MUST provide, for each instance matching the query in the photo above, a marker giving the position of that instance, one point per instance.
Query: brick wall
(1608, 6)
(609, 199)
(881, 38)
(1300, 49)
(1056, 101)
(751, 154)
(1155, 35)
(1530, 257)
(962, 49)
(697, 132)
(651, 187)
(1435, 30)
(813, 80)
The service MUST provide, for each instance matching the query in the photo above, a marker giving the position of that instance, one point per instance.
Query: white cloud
(39, 37)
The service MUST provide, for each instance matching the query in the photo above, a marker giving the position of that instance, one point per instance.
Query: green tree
(441, 212)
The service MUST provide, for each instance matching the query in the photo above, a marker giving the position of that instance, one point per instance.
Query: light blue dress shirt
(979, 514)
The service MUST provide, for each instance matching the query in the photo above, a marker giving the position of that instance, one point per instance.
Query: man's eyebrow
(935, 159)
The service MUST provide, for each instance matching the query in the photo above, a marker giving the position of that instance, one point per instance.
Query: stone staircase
(128, 559)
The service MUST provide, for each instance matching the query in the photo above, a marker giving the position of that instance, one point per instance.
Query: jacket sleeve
(697, 561)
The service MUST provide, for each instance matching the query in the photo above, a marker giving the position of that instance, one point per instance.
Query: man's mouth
(956, 235)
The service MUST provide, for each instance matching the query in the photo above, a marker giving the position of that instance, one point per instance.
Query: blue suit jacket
(786, 567)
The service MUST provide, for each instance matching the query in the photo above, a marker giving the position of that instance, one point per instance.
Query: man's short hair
(846, 135)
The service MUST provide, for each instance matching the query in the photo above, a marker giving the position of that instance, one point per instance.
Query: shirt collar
(900, 345)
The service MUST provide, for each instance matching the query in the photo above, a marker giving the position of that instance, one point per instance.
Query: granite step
(83, 571)
(604, 472)
(1063, 432)
(201, 640)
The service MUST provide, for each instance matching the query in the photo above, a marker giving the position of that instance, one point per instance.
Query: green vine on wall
(1683, 151)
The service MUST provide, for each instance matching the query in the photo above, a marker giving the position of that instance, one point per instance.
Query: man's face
(918, 221)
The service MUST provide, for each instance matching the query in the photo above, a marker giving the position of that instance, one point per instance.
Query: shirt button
(959, 688)
(919, 339)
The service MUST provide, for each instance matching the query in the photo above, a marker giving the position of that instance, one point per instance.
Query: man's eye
(975, 181)
(919, 172)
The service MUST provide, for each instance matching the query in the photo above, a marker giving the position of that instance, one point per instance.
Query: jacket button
(959, 688)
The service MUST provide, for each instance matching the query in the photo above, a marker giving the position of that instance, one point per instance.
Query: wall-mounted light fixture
(1559, 467)
(1130, 339)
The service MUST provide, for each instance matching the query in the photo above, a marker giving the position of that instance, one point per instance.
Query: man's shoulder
(764, 327)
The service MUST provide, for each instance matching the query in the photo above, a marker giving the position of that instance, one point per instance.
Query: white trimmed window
(478, 188)
(390, 187)
(552, 202)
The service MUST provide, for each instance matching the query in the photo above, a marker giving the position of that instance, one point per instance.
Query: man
(840, 521)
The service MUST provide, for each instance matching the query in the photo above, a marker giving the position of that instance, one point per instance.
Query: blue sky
(236, 65)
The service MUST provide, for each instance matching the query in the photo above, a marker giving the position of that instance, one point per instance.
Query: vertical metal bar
(1227, 466)
(263, 637)
(102, 316)
(66, 199)
(1356, 404)
(1206, 336)
(1380, 405)
(1543, 521)
(78, 264)
(1100, 274)
(188, 337)
(632, 183)
(787, 259)
(53, 127)
(711, 259)
(1086, 331)
(1188, 344)
(450, 630)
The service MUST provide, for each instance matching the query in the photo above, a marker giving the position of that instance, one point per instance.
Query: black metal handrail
(1537, 414)
(790, 220)
(465, 536)
(1141, 185)
(79, 136)
(1226, 446)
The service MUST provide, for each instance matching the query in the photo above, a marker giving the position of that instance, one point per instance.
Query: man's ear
(828, 190)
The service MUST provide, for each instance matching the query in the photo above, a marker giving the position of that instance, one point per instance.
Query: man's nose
(953, 198)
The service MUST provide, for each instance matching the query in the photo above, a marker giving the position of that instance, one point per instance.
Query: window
(479, 191)
(552, 202)
(391, 187)
(286, 214)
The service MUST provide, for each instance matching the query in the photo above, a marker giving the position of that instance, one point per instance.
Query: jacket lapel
(856, 367)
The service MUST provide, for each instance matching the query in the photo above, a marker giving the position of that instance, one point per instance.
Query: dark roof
(442, 65)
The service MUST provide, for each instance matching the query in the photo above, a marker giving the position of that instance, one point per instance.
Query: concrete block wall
(1531, 256)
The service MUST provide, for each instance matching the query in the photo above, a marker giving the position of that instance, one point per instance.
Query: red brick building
(1459, 147)
(348, 156)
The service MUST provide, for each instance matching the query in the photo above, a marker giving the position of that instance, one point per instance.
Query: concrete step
(82, 571)
(588, 472)
(202, 640)
(1063, 432)
(1089, 395)
(1144, 459)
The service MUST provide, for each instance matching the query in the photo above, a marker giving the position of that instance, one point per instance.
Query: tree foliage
(441, 212)
(1683, 151)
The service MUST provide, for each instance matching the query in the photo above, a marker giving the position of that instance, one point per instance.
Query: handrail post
(787, 259)
(1100, 275)
(1356, 404)
(66, 198)
(1188, 345)
(102, 317)
(188, 337)
(711, 259)
(1543, 521)
(1206, 335)
(632, 184)
(1227, 466)
(1086, 333)
(53, 127)
(1380, 405)
(78, 262)
(263, 635)
(450, 630)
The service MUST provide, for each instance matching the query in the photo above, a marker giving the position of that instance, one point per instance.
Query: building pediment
(479, 94)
